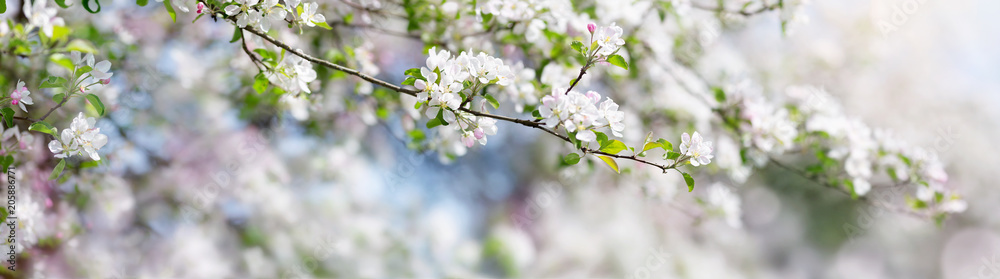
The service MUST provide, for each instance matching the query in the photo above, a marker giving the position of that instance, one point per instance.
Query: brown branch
(331, 65)
(413, 92)
(65, 98)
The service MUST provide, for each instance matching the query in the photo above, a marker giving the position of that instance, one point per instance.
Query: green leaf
(59, 32)
(58, 97)
(323, 25)
(571, 159)
(8, 116)
(666, 144)
(265, 55)
(81, 46)
(613, 147)
(493, 101)
(141, 3)
(602, 139)
(82, 70)
(62, 3)
(689, 180)
(671, 155)
(7, 161)
(409, 81)
(434, 123)
(577, 46)
(43, 127)
(62, 60)
(536, 114)
(53, 82)
(3, 9)
(86, 5)
(260, 83)
(651, 145)
(58, 170)
(89, 164)
(170, 10)
(720, 95)
(437, 121)
(3, 209)
(96, 102)
(237, 34)
(617, 60)
(413, 72)
(611, 163)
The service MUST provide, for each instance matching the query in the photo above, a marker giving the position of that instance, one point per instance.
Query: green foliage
(8, 116)
(96, 102)
(260, 83)
(6, 161)
(689, 180)
(81, 46)
(720, 95)
(141, 3)
(237, 34)
(617, 60)
(493, 101)
(53, 82)
(58, 170)
(571, 159)
(437, 121)
(86, 5)
(611, 163)
(613, 146)
(42, 126)
(578, 47)
(170, 9)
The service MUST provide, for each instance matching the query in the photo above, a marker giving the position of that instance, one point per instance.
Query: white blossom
(695, 148)
(609, 39)
(82, 137)
(309, 15)
(42, 17)
(21, 96)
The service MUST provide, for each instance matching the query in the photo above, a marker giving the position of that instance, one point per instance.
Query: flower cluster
(20, 96)
(766, 127)
(512, 10)
(81, 137)
(696, 149)
(447, 81)
(42, 17)
(582, 113)
(293, 75)
(98, 75)
(866, 152)
(261, 14)
(608, 38)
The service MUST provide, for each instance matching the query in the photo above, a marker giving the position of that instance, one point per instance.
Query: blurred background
(203, 182)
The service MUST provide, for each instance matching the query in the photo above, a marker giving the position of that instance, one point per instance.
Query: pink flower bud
(14, 102)
(478, 132)
(106, 81)
(591, 27)
(468, 141)
(201, 7)
(594, 96)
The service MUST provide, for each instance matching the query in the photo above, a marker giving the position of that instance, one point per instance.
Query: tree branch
(743, 11)
(413, 92)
